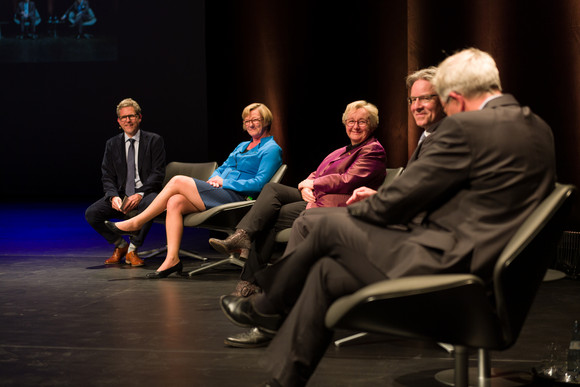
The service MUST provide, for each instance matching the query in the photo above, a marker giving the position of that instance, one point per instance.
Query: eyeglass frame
(254, 121)
(421, 98)
(361, 123)
(129, 117)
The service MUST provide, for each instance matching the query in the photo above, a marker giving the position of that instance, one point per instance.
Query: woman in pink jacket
(361, 163)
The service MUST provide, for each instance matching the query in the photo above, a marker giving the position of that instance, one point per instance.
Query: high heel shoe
(238, 242)
(164, 273)
(111, 226)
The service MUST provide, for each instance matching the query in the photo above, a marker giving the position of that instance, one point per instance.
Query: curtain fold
(307, 59)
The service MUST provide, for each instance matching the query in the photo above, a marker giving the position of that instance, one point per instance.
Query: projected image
(58, 30)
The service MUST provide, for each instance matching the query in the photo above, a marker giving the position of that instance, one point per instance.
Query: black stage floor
(67, 320)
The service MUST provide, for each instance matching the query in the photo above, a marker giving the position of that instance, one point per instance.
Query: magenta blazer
(342, 171)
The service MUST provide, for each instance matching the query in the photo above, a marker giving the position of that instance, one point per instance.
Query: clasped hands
(306, 188)
(130, 204)
(216, 181)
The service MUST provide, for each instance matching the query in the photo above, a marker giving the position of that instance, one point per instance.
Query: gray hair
(470, 72)
(426, 74)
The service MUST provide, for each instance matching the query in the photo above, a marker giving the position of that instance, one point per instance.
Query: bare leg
(177, 206)
(178, 185)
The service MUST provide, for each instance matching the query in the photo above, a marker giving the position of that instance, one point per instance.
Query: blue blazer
(247, 172)
(151, 160)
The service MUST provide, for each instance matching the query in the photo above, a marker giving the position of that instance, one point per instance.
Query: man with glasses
(474, 186)
(133, 169)
(424, 102)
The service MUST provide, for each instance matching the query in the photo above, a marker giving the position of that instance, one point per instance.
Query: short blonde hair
(369, 107)
(129, 102)
(265, 113)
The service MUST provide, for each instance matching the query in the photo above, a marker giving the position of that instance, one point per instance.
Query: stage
(68, 320)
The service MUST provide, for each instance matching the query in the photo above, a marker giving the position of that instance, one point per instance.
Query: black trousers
(275, 210)
(102, 210)
(325, 259)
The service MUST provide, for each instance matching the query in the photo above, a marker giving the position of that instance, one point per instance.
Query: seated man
(79, 13)
(26, 15)
(472, 185)
(133, 167)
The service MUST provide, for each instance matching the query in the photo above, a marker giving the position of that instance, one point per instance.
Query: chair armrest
(450, 308)
(400, 287)
(220, 218)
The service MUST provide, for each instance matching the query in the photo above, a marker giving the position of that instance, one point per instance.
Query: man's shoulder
(118, 138)
(152, 135)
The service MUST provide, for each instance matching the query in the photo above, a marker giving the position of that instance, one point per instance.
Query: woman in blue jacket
(247, 169)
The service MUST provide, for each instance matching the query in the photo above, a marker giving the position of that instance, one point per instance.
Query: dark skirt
(213, 197)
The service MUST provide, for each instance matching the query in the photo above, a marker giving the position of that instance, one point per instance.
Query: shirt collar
(489, 99)
(136, 137)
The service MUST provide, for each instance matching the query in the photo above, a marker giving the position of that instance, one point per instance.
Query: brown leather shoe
(117, 255)
(238, 242)
(134, 259)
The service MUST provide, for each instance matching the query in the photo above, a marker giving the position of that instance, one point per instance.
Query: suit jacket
(482, 174)
(31, 9)
(342, 171)
(420, 147)
(151, 164)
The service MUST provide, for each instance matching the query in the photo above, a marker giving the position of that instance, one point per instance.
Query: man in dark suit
(472, 187)
(133, 168)
(27, 14)
(424, 104)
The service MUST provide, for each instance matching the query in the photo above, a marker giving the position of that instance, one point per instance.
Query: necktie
(130, 184)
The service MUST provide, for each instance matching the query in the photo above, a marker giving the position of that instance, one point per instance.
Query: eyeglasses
(255, 121)
(422, 98)
(361, 123)
(129, 117)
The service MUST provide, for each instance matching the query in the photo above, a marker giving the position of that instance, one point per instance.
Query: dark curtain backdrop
(55, 117)
(196, 64)
(308, 59)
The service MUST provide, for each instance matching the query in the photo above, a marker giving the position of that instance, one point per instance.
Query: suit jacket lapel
(143, 145)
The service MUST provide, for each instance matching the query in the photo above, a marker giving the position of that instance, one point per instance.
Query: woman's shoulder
(269, 142)
(372, 146)
(373, 142)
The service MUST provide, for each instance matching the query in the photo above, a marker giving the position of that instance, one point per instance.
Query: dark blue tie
(130, 184)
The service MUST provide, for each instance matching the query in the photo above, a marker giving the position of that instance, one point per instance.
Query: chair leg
(448, 347)
(339, 342)
(161, 250)
(483, 366)
(483, 375)
(191, 254)
(461, 366)
(227, 261)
